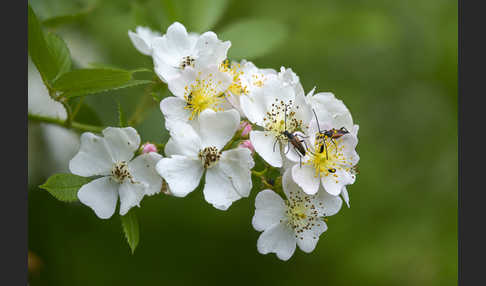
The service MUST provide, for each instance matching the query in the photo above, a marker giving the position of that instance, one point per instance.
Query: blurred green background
(393, 63)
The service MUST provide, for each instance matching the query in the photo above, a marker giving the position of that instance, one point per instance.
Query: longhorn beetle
(292, 139)
(331, 134)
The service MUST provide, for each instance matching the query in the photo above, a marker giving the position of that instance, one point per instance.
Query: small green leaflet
(131, 229)
(89, 81)
(64, 187)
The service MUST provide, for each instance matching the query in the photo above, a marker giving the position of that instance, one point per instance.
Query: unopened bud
(247, 144)
(148, 147)
(245, 127)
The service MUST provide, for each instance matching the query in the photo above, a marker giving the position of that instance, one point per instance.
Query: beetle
(332, 134)
(292, 139)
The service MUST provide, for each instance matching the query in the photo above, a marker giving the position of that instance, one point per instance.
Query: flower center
(187, 61)
(120, 172)
(236, 86)
(328, 156)
(280, 118)
(209, 156)
(301, 213)
(202, 95)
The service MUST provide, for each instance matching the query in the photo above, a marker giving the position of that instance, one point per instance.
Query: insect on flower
(331, 134)
(293, 139)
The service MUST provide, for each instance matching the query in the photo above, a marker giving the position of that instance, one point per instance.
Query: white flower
(246, 79)
(327, 161)
(194, 151)
(332, 113)
(195, 91)
(111, 156)
(297, 220)
(177, 50)
(143, 38)
(278, 106)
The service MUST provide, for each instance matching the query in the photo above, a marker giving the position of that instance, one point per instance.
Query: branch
(74, 125)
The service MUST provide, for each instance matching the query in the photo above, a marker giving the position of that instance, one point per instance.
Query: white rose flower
(328, 162)
(143, 38)
(111, 156)
(195, 91)
(333, 113)
(298, 220)
(278, 106)
(177, 50)
(195, 151)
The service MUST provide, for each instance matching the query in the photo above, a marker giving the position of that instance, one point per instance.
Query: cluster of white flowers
(221, 115)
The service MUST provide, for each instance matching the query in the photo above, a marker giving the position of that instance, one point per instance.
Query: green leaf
(131, 229)
(202, 15)
(57, 47)
(68, 18)
(88, 81)
(64, 187)
(253, 38)
(48, 52)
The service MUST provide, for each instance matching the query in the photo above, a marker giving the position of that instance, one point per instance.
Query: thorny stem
(74, 125)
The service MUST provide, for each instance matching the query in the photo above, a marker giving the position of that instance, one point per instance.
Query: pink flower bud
(247, 144)
(148, 147)
(245, 127)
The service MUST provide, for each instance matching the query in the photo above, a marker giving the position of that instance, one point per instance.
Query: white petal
(264, 143)
(329, 108)
(131, 195)
(100, 195)
(142, 168)
(165, 53)
(333, 184)
(180, 85)
(93, 157)
(305, 177)
(121, 142)
(277, 239)
(178, 38)
(186, 139)
(254, 107)
(210, 50)
(173, 109)
(140, 44)
(236, 165)
(327, 204)
(171, 148)
(219, 190)
(290, 188)
(217, 128)
(181, 173)
(308, 239)
(165, 71)
(269, 210)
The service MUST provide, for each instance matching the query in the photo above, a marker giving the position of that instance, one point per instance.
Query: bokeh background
(393, 63)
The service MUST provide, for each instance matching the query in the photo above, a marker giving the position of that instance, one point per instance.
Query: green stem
(77, 108)
(74, 125)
